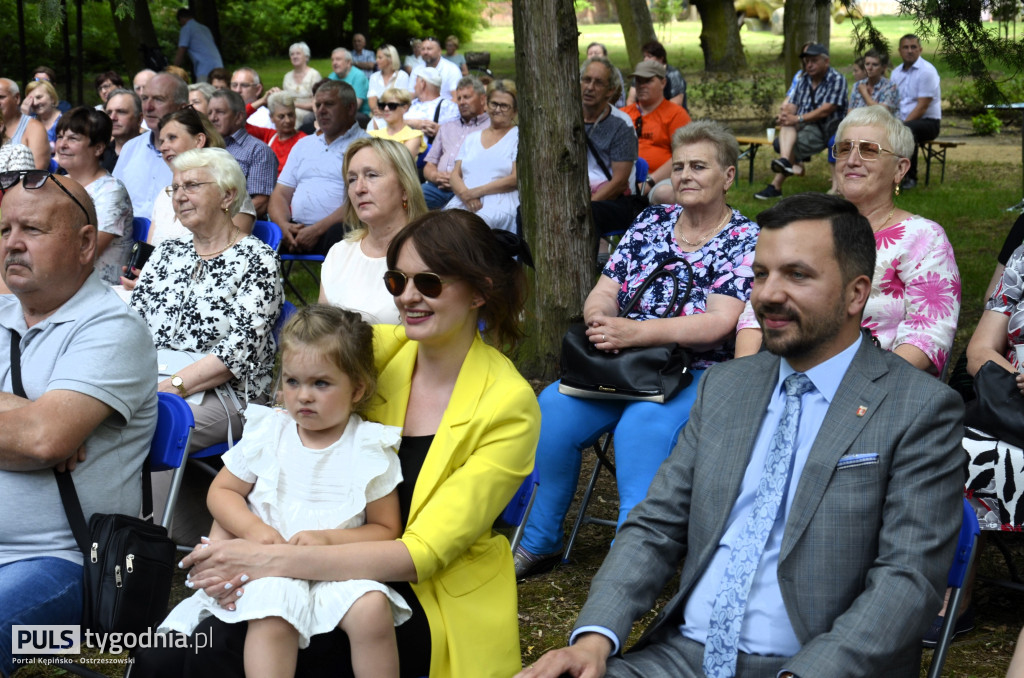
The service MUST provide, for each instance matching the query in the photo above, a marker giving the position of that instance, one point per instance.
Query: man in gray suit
(851, 564)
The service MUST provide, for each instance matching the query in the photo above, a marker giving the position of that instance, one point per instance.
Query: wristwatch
(650, 182)
(799, 118)
(179, 383)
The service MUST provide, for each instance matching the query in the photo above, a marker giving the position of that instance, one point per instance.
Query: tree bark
(361, 17)
(552, 170)
(133, 32)
(637, 27)
(799, 25)
(207, 14)
(720, 36)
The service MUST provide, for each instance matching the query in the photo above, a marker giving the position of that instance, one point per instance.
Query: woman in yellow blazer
(470, 426)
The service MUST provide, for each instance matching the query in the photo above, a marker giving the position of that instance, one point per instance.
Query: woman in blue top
(718, 242)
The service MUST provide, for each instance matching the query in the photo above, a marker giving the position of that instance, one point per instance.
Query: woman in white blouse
(384, 195)
(388, 75)
(300, 80)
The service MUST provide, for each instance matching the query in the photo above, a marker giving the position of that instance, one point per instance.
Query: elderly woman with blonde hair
(384, 195)
(300, 80)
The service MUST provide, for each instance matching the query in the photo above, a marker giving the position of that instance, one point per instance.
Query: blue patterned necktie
(720, 650)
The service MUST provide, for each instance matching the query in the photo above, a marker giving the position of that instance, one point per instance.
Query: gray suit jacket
(866, 547)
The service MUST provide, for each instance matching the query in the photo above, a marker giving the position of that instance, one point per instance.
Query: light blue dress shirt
(766, 627)
(142, 170)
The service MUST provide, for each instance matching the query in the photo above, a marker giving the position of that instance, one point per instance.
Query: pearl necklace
(234, 236)
(704, 237)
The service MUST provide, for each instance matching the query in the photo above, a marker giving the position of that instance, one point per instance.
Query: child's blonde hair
(342, 337)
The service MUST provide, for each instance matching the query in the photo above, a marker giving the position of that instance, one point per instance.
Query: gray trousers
(671, 655)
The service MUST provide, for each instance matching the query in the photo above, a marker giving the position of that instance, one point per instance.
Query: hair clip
(515, 246)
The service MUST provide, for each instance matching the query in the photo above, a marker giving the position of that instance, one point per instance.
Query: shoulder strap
(65, 483)
(597, 156)
(437, 109)
(657, 273)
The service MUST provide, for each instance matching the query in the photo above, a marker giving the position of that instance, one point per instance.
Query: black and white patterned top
(226, 306)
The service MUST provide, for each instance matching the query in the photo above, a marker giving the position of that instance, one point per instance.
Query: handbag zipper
(130, 558)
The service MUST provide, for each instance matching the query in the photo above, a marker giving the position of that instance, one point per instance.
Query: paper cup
(771, 134)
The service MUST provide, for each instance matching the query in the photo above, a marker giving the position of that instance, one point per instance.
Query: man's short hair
(853, 241)
(185, 13)
(180, 93)
(12, 87)
(345, 92)
(883, 57)
(910, 36)
(613, 82)
(471, 81)
(235, 101)
(50, 73)
(136, 100)
(219, 74)
(249, 69)
(344, 52)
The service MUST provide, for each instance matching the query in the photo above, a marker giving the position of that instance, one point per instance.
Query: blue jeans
(37, 591)
(436, 197)
(645, 434)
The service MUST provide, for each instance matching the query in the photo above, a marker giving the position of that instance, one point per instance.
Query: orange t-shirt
(655, 134)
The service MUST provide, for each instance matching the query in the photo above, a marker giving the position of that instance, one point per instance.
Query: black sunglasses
(638, 125)
(32, 179)
(391, 105)
(429, 284)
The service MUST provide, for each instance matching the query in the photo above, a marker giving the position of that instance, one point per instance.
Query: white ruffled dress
(295, 489)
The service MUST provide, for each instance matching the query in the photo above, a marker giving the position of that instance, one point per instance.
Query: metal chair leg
(601, 452)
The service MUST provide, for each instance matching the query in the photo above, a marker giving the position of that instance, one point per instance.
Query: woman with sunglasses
(384, 195)
(82, 137)
(484, 177)
(915, 293)
(393, 105)
(388, 74)
(470, 425)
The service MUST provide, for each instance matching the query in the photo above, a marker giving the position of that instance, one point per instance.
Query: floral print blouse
(721, 266)
(226, 306)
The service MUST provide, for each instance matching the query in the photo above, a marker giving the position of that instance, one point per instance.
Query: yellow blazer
(482, 450)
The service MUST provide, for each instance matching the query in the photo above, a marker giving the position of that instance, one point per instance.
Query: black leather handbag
(651, 373)
(998, 408)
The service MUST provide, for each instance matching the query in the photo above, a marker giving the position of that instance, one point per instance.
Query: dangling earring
(405, 204)
(897, 191)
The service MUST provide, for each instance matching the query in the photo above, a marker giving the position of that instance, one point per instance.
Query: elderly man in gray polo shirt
(309, 199)
(87, 366)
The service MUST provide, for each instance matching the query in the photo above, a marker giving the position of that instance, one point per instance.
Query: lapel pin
(862, 410)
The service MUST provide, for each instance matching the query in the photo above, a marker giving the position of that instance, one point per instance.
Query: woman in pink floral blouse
(915, 292)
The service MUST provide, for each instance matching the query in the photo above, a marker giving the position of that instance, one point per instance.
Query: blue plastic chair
(642, 171)
(305, 261)
(268, 232)
(174, 426)
(518, 509)
(966, 546)
(140, 229)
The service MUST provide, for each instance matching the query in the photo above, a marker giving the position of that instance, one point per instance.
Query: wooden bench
(750, 153)
(935, 150)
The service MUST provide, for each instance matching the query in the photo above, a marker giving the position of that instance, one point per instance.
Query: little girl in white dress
(316, 474)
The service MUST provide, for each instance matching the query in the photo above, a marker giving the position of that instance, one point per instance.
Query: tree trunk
(132, 33)
(553, 186)
(361, 17)
(207, 14)
(799, 25)
(637, 27)
(720, 36)
(824, 29)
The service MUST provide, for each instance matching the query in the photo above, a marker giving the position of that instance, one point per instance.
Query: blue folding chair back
(518, 509)
(287, 310)
(268, 232)
(965, 550)
(641, 173)
(174, 424)
(140, 229)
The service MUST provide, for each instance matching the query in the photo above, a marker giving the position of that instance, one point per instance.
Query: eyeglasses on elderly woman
(868, 150)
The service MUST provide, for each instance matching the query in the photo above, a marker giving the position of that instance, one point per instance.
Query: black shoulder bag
(128, 561)
(652, 373)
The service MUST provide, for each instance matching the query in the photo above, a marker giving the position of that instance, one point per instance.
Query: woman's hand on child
(310, 538)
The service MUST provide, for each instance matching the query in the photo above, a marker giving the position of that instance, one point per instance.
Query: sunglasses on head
(429, 284)
(33, 179)
(868, 150)
(390, 105)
